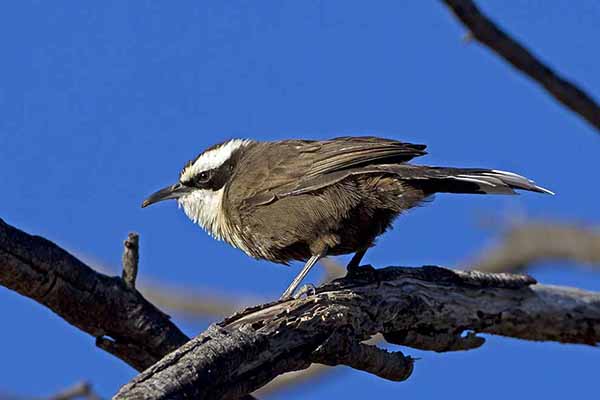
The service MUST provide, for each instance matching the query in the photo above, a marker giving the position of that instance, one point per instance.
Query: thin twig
(130, 259)
(488, 33)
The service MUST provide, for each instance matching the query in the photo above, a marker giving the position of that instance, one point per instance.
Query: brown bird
(306, 199)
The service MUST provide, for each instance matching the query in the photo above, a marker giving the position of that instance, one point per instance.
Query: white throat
(205, 208)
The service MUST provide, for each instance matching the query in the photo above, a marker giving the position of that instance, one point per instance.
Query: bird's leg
(307, 267)
(355, 261)
(354, 268)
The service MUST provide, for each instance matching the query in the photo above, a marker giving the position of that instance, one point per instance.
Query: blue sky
(102, 103)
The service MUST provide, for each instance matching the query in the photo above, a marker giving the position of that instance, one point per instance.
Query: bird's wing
(294, 167)
(267, 168)
(341, 157)
(344, 153)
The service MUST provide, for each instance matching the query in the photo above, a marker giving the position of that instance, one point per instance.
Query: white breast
(205, 207)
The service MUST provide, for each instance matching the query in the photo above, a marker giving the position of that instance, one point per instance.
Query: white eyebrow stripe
(213, 158)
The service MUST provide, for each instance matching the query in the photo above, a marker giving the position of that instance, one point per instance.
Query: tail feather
(518, 182)
(471, 180)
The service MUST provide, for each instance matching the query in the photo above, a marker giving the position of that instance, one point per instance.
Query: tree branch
(131, 258)
(113, 309)
(421, 307)
(427, 308)
(488, 33)
(339, 349)
(125, 323)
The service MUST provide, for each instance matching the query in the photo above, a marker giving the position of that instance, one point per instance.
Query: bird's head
(200, 188)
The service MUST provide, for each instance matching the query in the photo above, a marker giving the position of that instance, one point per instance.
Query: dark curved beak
(170, 192)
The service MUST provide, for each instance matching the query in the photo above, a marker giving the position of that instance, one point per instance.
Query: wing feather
(292, 167)
(351, 152)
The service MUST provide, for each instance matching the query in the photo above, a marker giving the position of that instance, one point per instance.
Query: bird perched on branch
(306, 199)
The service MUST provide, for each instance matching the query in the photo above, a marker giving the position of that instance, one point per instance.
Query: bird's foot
(309, 290)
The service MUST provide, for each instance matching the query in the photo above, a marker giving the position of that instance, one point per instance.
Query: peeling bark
(428, 307)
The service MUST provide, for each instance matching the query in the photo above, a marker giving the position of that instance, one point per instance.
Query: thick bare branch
(247, 350)
(196, 303)
(124, 322)
(40, 270)
(526, 244)
(39, 262)
(312, 373)
(340, 349)
(488, 33)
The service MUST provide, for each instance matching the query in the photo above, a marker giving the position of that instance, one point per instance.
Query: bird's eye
(203, 177)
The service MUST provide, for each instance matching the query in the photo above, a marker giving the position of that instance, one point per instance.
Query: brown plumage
(301, 200)
(304, 196)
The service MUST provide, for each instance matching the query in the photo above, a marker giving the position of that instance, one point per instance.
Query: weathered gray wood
(130, 259)
(428, 307)
(124, 322)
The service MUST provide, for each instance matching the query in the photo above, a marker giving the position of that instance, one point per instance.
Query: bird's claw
(309, 290)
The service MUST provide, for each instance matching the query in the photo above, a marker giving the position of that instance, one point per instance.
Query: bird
(302, 200)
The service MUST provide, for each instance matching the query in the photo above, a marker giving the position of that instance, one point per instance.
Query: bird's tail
(471, 180)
